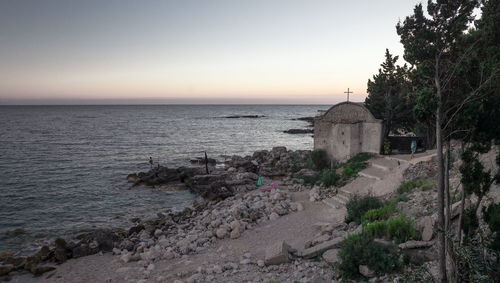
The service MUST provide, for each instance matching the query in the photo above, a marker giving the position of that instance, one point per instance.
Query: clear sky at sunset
(186, 51)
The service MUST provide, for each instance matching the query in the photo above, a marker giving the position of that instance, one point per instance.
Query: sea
(63, 168)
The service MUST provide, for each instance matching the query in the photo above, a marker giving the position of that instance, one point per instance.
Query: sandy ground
(295, 229)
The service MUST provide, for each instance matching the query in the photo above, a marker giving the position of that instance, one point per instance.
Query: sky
(193, 51)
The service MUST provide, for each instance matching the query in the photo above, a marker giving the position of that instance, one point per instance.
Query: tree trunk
(462, 206)
(461, 217)
(440, 180)
(448, 234)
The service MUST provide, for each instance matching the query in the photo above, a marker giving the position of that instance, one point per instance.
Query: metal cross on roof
(348, 94)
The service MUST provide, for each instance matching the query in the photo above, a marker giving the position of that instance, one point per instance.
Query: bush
(382, 213)
(401, 229)
(476, 262)
(377, 229)
(355, 164)
(469, 223)
(401, 198)
(492, 218)
(320, 159)
(358, 206)
(408, 186)
(360, 249)
(329, 178)
(387, 147)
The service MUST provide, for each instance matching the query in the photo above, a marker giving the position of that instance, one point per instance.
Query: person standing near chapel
(413, 148)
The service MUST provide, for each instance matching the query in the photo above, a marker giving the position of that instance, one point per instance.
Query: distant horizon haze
(193, 52)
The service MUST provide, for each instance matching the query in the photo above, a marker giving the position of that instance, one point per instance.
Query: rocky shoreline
(226, 212)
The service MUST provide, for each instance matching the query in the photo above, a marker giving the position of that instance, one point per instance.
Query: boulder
(222, 185)
(95, 241)
(331, 256)
(299, 131)
(415, 244)
(277, 254)
(427, 225)
(6, 269)
(41, 269)
(366, 271)
(318, 249)
(61, 252)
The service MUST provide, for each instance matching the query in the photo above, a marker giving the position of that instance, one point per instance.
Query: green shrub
(492, 218)
(382, 213)
(377, 229)
(354, 165)
(387, 147)
(401, 198)
(476, 262)
(469, 223)
(329, 178)
(401, 229)
(408, 186)
(360, 249)
(320, 159)
(358, 206)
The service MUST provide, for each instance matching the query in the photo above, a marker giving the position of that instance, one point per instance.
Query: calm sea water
(63, 168)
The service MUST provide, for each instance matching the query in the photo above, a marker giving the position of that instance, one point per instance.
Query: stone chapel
(347, 129)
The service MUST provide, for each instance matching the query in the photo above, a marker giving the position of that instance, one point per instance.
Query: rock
(415, 244)
(427, 224)
(277, 254)
(235, 224)
(194, 278)
(16, 232)
(17, 262)
(132, 178)
(273, 216)
(260, 263)
(217, 269)
(5, 254)
(331, 256)
(318, 249)
(41, 269)
(420, 256)
(221, 233)
(6, 269)
(116, 251)
(126, 257)
(366, 271)
(299, 131)
(300, 207)
(245, 261)
(61, 252)
(235, 233)
(314, 194)
(95, 241)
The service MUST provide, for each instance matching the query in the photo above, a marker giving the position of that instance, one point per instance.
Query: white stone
(221, 233)
(273, 216)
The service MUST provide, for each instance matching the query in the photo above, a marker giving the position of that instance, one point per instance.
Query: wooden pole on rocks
(206, 163)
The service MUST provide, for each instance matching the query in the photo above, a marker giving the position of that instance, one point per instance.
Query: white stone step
(334, 202)
(343, 198)
(373, 173)
(384, 163)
